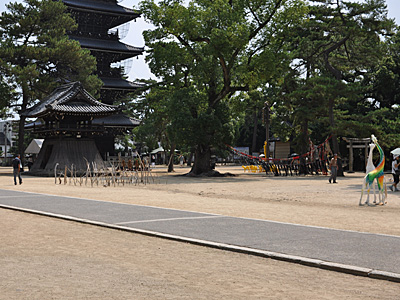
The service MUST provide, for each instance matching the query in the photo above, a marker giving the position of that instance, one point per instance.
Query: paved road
(364, 254)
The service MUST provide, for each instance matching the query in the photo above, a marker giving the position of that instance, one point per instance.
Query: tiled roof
(71, 99)
(120, 83)
(107, 45)
(118, 120)
(101, 6)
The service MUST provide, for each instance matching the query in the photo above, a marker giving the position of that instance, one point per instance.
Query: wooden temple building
(73, 123)
(67, 121)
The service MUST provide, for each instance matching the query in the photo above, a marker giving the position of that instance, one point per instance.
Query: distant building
(34, 147)
(4, 142)
(7, 135)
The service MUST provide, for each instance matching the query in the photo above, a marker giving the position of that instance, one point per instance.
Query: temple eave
(126, 53)
(99, 7)
(119, 83)
(105, 45)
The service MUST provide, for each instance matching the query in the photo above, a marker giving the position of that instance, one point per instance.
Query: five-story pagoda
(100, 24)
(99, 28)
(87, 128)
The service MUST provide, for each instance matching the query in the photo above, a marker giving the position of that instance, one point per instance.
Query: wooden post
(65, 175)
(55, 173)
(351, 157)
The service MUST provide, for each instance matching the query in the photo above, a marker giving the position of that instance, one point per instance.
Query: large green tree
(339, 44)
(210, 50)
(384, 79)
(335, 50)
(36, 54)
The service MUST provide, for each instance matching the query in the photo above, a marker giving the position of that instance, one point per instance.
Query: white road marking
(170, 219)
(28, 196)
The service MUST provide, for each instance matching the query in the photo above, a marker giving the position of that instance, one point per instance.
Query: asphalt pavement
(358, 253)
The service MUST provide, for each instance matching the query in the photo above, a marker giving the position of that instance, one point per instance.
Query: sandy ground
(44, 258)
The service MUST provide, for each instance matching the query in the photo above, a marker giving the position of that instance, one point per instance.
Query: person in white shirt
(395, 173)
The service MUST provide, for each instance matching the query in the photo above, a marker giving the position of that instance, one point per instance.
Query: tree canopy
(36, 55)
(207, 51)
(326, 67)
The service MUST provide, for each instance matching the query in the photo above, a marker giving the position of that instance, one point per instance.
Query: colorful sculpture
(370, 164)
(376, 174)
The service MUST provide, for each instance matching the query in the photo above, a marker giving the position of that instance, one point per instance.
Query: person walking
(395, 173)
(17, 166)
(333, 167)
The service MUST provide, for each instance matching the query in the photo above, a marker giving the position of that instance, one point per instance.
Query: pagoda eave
(120, 121)
(101, 7)
(108, 46)
(119, 84)
(61, 116)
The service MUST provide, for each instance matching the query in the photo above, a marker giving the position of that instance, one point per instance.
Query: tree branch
(187, 45)
(338, 75)
(254, 15)
(263, 24)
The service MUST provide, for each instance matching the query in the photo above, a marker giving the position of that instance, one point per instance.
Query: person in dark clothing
(17, 165)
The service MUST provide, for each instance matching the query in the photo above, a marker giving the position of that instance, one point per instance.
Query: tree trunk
(21, 126)
(335, 143)
(189, 160)
(21, 134)
(254, 141)
(171, 159)
(303, 148)
(202, 160)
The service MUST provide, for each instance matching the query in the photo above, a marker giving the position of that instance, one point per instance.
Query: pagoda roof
(102, 7)
(119, 83)
(119, 120)
(108, 45)
(70, 99)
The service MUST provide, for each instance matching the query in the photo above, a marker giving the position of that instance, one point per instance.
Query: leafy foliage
(7, 95)
(335, 48)
(36, 55)
(208, 51)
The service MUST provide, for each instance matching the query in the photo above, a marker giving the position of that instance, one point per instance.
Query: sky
(140, 69)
